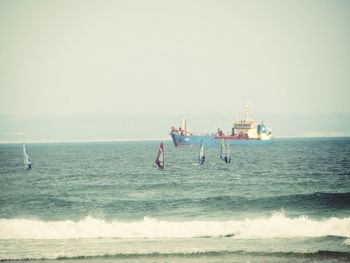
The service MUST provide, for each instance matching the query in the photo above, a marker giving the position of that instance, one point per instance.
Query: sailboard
(225, 153)
(26, 159)
(160, 157)
(201, 156)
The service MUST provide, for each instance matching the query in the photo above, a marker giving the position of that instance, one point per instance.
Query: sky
(171, 58)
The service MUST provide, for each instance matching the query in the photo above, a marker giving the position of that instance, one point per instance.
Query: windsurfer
(26, 159)
(160, 157)
(160, 165)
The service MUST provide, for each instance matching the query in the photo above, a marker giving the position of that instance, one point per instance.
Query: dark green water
(289, 201)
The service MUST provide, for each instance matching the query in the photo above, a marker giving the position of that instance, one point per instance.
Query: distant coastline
(156, 140)
(86, 141)
(47, 129)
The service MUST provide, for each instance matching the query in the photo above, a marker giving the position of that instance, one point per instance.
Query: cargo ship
(244, 131)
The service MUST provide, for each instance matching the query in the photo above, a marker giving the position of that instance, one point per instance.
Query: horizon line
(149, 139)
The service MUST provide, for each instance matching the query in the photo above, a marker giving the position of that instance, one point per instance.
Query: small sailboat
(201, 156)
(160, 157)
(26, 159)
(225, 153)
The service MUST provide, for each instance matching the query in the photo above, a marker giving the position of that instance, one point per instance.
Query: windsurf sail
(201, 156)
(160, 157)
(225, 153)
(26, 159)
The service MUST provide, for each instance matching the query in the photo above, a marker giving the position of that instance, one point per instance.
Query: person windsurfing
(225, 153)
(26, 159)
(160, 157)
(201, 156)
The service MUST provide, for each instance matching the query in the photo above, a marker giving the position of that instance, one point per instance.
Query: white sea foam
(278, 225)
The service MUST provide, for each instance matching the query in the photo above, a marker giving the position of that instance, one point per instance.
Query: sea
(108, 202)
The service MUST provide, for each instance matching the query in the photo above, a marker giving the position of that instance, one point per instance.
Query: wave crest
(276, 226)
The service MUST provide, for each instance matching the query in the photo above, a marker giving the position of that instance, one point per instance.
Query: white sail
(201, 156)
(26, 159)
(225, 153)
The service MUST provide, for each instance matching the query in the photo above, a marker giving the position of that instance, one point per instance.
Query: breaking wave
(321, 254)
(276, 226)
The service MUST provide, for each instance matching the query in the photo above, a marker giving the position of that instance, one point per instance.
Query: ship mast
(247, 112)
(184, 125)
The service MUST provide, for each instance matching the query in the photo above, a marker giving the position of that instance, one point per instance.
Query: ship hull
(186, 140)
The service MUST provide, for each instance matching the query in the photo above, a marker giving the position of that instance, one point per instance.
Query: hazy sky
(174, 57)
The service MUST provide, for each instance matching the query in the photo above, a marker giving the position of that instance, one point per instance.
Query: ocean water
(98, 202)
